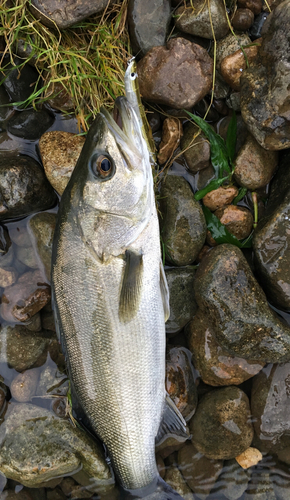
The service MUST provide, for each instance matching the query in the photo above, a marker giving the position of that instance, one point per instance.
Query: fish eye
(102, 166)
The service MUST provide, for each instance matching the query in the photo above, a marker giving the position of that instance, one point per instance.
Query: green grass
(88, 60)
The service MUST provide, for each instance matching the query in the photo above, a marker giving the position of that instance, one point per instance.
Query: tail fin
(159, 490)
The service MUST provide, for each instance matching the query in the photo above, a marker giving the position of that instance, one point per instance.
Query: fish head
(113, 180)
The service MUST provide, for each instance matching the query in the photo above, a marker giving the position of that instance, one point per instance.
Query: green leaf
(242, 192)
(220, 233)
(218, 151)
(232, 137)
(214, 184)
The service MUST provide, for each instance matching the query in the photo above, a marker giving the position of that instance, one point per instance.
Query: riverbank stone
(178, 75)
(179, 381)
(42, 227)
(197, 21)
(235, 304)
(195, 147)
(181, 298)
(221, 426)
(30, 124)
(183, 226)
(64, 13)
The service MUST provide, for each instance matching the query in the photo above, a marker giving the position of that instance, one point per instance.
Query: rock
(197, 21)
(24, 299)
(67, 485)
(60, 100)
(42, 227)
(270, 405)
(232, 482)
(281, 480)
(199, 472)
(221, 91)
(8, 276)
(254, 5)
(183, 226)
(242, 131)
(234, 101)
(181, 298)
(235, 304)
(58, 448)
(220, 197)
(243, 19)
(27, 256)
(47, 320)
(148, 23)
(272, 239)
(228, 45)
(24, 385)
(34, 323)
(24, 188)
(233, 65)
(60, 407)
(260, 486)
(237, 220)
(265, 92)
(65, 13)
(19, 234)
(174, 478)
(154, 121)
(254, 165)
(195, 148)
(5, 109)
(19, 83)
(161, 74)
(221, 426)
(59, 153)
(171, 133)
(13, 495)
(179, 381)
(214, 364)
(51, 382)
(21, 348)
(249, 457)
(57, 494)
(30, 124)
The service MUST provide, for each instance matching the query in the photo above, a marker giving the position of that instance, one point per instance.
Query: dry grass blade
(88, 59)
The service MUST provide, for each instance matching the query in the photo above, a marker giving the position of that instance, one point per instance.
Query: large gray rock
(36, 446)
(181, 298)
(272, 240)
(65, 13)
(235, 304)
(265, 91)
(198, 22)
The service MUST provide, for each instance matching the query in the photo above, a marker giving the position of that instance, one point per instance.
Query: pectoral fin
(172, 424)
(164, 292)
(131, 286)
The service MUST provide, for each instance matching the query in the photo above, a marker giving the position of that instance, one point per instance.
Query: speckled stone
(181, 298)
(197, 21)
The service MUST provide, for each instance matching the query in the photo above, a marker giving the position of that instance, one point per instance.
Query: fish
(111, 300)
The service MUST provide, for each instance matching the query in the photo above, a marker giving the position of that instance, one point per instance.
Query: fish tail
(160, 490)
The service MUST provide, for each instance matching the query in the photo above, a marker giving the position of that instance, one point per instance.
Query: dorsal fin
(164, 292)
(131, 286)
(172, 424)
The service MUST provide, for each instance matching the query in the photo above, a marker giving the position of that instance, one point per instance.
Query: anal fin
(131, 286)
(172, 424)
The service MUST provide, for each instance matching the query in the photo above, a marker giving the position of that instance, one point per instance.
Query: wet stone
(249, 457)
(19, 234)
(221, 427)
(272, 239)
(181, 298)
(161, 74)
(65, 13)
(254, 166)
(214, 364)
(13, 495)
(42, 227)
(171, 133)
(265, 92)
(233, 65)
(58, 448)
(19, 83)
(52, 382)
(148, 23)
(24, 188)
(234, 101)
(179, 381)
(61, 99)
(197, 21)
(260, 487)
(67, 485)
(237, 220)
(220, 197)
(59, 153)
(27, 256)
(242, 131)
(24, 385)
(56, 494)
(199, 472)
(254, 5)
(195, 147)
(3, 394)
(183, 226)
(5, 110)
(232, 482)
(228, 45)
(235, 304)
(243, 19)
(8, 276)
(174, 478)
(21, 348)
(47, 320)
(30, 124)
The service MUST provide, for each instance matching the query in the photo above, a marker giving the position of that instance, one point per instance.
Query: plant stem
(255, 203)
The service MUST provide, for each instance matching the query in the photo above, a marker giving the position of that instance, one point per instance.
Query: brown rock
(220, 197)
(171, 133)
(254, 5)
(249, 457)
(24, 299)
(202, 253)
(8, 276)
(61, 100)
(197, 20)
(162, 74)
(65, 13)
(243, 19)
(59, 152)
(234, 64)
(195, 147)
(216, 366)
(174, 478)
(254, 165)
(24, 385)
(228, 45)
(179, 381)
(238, 220)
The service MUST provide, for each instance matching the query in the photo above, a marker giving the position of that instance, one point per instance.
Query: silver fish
(111, 298)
